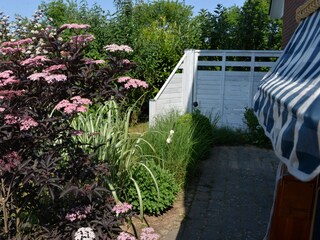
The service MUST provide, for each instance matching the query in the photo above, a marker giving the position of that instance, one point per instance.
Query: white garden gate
(219, 83)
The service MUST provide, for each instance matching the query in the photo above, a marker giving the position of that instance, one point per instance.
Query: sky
(27, 7)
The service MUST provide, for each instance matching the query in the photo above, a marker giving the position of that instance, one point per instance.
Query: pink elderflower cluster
(48, 77)
(121, 208)
(116, 48)
(6, 78)
(132, 82)
(10, 161)
(125, 236)
(35, 61)
(126, 61)
(6, 74)
(82, 39)
(10, 50)
(77, 105)
(17, 43)
(78, 213)
(75, 26)
(54, 68)
(10, 93)
(149, 234)
(92, 61)
(14, 46)
(25, 122)
(55, 77)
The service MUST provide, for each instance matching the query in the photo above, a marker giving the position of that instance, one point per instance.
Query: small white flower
(84, 234)
(169, 139)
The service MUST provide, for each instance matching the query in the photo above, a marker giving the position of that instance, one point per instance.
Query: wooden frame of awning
(307, 9)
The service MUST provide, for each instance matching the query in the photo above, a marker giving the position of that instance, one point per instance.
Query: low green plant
(255, 132)
(154, 202)
(228, 136)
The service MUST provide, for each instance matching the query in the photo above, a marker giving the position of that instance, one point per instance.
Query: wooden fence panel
(222, 84)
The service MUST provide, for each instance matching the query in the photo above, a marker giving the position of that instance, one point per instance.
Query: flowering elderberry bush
(50, 187)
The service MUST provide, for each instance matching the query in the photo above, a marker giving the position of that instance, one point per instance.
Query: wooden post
(187, 80)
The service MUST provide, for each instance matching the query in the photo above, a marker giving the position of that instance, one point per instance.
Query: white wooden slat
(210, 63)
(238, 64)
(263, 64)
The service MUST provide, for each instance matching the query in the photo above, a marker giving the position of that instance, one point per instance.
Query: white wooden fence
(219, 83)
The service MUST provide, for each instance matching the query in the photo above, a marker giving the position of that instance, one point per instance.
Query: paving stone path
(233, 196)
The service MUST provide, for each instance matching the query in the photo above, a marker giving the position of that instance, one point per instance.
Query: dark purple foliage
(49, 186)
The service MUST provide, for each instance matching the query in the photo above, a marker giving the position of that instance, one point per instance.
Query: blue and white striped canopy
(287, 103)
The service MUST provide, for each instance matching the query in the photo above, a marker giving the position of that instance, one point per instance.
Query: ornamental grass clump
(51, 187)
(180, 142)
(104, 131)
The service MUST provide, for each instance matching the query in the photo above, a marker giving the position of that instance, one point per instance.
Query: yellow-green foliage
(154, 202)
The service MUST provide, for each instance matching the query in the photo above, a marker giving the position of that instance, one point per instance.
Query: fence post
(252, 70)
(187, 80)
(152, 111)
(223, 82)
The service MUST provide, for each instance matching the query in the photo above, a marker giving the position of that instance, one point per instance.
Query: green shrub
(229, 136)
(154, 202)
(255, 133)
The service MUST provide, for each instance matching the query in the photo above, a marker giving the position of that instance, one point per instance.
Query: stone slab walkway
(232, 198)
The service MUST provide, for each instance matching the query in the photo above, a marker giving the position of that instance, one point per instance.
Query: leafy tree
(205, 23)
(275, 34)
(248, 27)
(165, 30)
(256, 30)
(225, 27)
